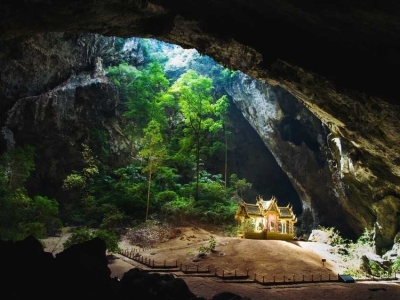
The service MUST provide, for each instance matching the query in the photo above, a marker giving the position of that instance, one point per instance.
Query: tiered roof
(262, 207)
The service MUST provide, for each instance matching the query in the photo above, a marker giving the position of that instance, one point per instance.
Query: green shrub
(78, 236)
(84, 234)
(396, 266)
(212, 243)
(111, 239)
(114, 220)
(180, 208)
(247, 225)
(230, 230)
(166, 196)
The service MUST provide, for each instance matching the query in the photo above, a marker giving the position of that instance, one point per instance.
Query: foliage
(187, 128)
(178, 209)
(16, 166)
(83, 234)
(78, 236)
(367, 238)
(380, 270)
(166, 178)
(143, 92)
(212, 243)
(247, 225)
(100, 143)
(110, 238)
(175, 131)
(12, 208)
(334, 237)
(74, 181)
(113, 220)
(79, 180)
(44, 211)
(165, 197)
(81, 207)
(352, 253)
(239, 185)
(230, 230)
(194, 94)
(21, 215)
(396, 266)
(154, 151)
(123, 192)
(122, 76)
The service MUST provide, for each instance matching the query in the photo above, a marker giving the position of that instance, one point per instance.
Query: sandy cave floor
(260, 258)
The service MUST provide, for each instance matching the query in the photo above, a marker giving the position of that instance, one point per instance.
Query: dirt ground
(258, 258)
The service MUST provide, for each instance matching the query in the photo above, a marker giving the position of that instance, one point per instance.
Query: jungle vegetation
(175, 129)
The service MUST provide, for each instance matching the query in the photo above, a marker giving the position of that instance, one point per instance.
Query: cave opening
(274, 141)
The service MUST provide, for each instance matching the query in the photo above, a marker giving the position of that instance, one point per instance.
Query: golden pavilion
(265, 220)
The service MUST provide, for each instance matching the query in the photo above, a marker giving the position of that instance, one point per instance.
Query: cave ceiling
(352, 44)
(336, 57)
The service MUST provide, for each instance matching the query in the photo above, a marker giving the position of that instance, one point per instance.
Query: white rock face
(319, 236)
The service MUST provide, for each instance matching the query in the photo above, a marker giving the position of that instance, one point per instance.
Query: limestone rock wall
(54, 96)
(337, 172)
(57, 122)
(299, 142)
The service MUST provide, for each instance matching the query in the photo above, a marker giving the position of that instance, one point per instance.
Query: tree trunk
(148, 193)
(197, 166)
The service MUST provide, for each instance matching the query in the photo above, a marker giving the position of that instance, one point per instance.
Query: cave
(329, 64)
(327, 56)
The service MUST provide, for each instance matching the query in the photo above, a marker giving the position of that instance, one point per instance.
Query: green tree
(83, 234)
(221, 108)
(45, 211)
(122, 76)
(240, 185)
(16, 166)
(154, 152)
(145, 95)
(21, 215)
(122, 192)
(78, 185)
(194, 94)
